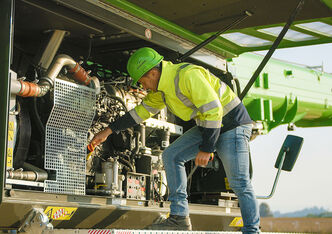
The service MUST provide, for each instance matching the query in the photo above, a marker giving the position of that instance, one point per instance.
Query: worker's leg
(180, 151)
(233, 148)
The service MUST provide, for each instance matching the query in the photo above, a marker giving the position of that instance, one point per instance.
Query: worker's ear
(155, 73)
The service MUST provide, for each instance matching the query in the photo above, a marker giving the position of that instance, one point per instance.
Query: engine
(58, 106)
(128, 164)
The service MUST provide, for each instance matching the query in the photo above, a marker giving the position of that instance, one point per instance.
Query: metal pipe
(276, 179)
(15, 86)
(60, 61)
(120, 181)
(28, 89)
(40, 173)
(142, 131)
(22, 175)
(115, 174)
(78, 72)
(51, 49)
(33, 173)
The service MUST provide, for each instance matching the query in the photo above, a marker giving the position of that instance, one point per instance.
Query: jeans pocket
(247, 130)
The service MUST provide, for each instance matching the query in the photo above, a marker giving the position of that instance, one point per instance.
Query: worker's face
(150, 80)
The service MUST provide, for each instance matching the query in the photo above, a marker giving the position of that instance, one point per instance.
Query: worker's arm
(101, 136)
(199, 91)
(150, 106)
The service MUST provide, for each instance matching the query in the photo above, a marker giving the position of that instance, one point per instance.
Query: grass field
(307, 225)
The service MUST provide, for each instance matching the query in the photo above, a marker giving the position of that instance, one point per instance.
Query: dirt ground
(311, 225)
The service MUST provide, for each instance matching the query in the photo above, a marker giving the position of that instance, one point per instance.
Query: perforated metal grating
(66, 137)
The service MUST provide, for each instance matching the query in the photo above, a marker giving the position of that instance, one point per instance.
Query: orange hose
(80, 74)
(29, 89)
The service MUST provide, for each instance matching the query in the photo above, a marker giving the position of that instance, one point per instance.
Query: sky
(310, 182)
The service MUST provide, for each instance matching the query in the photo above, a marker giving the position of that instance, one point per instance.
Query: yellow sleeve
(151, 105)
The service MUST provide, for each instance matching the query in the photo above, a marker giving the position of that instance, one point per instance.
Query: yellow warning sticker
(10, 135)
(11, 125)
(60, 213)
(227, 184)
(236, 222)
(11, 131)
(9, 157)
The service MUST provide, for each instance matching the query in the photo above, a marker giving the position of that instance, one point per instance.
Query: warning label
(60, 213)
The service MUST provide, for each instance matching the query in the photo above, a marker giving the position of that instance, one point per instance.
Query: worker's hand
(202, 158)
(101, 136)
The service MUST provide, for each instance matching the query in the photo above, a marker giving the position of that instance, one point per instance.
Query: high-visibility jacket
(191, 92)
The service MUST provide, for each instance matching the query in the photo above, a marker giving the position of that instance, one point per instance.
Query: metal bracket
(35, 222)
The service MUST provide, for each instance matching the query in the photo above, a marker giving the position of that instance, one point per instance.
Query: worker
(223, 125)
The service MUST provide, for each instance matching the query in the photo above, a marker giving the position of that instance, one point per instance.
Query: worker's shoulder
(192, 72)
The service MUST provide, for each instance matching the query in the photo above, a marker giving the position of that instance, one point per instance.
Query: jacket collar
(166, 73)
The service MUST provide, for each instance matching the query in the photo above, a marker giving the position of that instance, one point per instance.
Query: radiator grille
(66, 137)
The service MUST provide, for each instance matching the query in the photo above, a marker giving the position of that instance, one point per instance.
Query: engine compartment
(73, 70)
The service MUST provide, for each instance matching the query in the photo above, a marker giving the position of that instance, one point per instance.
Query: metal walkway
(130, 231)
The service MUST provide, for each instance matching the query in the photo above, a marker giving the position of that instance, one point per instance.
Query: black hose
(135, 151)
(23, 135)
(89, 50)
(126, 164)
(98, 192)
(36, 117)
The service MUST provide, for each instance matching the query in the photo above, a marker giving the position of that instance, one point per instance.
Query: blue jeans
(233, 149)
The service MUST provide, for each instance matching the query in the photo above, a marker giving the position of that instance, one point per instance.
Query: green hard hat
(142, 61)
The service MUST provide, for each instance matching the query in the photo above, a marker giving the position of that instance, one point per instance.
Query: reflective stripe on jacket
(189, 92)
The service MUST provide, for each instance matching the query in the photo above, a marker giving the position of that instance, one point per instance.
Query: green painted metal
(265, 80)
(237, 49)
(328, 3)
(256, 109)
(295, 93)
(224, 47)
(279, 114)
(5, 58)
(258, 82)
(216, 46)
(291, 113)
(268, 114)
